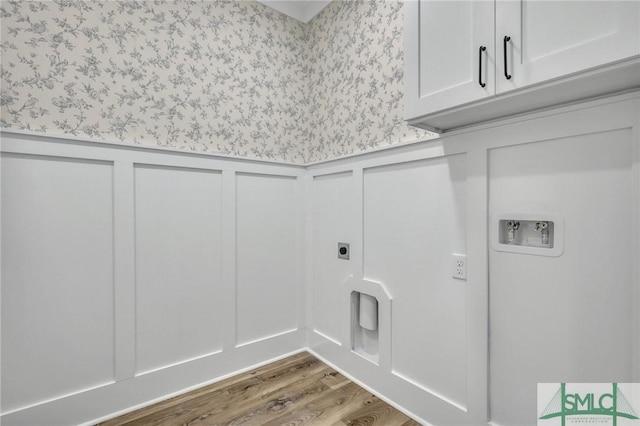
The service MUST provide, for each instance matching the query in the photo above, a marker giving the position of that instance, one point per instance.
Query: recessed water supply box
(536, 234)
(364, 326)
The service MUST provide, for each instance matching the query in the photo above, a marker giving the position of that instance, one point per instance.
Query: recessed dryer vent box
(537, 234)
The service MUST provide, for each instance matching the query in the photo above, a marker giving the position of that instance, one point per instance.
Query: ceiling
(302, 10)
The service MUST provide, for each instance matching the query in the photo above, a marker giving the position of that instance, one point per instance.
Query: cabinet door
(442, 56)
(550, 39)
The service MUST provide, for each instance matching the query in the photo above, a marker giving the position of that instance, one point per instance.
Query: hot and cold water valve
(533, 233)
(512, 226)
(529, 234)
(543, 227)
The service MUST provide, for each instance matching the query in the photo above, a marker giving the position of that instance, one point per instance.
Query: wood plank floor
(299, 390)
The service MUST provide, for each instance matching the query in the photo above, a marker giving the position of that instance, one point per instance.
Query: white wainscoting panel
(130, 274)
(119, 273)
(575, 312)
(266, 223)
(178, 229)
(334, 220)
(57, 277)
(414, 219)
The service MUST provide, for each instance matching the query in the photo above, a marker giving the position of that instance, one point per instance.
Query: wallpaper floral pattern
(228, 77)
(357, 79)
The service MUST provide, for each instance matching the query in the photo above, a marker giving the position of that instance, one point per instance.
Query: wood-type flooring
(298, 390)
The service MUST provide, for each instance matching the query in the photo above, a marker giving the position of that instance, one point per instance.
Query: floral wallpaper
(356, 50)
(229, 77)
(215, 76)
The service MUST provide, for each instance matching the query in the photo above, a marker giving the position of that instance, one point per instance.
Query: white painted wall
(57, 277)
(414, 219)
(266, 257)
(334, 208)
(550, 319)
(131, 274)
(408, 212)
(567, 318)
(178, 223)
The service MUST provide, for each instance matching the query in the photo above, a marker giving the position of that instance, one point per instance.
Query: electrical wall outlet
(459, 266)
(343, 251)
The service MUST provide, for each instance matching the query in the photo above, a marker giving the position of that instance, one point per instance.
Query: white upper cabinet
(468, 61)
(550, 39)
(455, 64)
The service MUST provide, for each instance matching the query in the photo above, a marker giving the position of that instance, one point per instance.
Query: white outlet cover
(459, 266)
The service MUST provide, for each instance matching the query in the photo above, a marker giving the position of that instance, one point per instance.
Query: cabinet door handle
(480, 50)
(504, 46)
